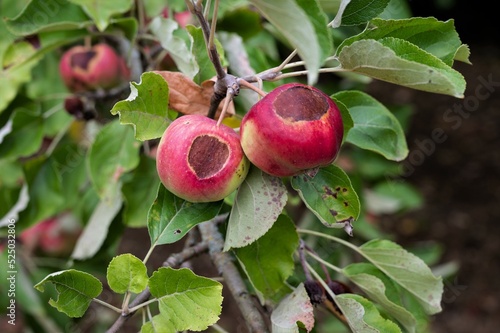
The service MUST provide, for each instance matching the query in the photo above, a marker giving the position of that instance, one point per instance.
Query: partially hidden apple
(200, 161)
(292, 129)
(85, 68)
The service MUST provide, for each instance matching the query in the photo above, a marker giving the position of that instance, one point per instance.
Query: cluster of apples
(292, 129)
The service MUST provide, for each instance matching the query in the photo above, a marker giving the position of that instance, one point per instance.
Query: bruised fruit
(199, 161)
(292, 129)
(85, 68)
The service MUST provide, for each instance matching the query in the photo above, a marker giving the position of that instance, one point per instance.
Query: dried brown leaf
(187, 97)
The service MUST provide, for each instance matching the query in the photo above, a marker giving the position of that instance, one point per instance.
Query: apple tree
(241, 130)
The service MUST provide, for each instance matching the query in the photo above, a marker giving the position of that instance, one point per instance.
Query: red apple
(54, 236)
(199, 161)
(88, 68)
(292, 129)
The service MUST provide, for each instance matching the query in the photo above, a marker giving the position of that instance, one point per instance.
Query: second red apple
(292, 129)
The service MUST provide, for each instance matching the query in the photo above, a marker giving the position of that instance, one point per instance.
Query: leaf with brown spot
(187, 97)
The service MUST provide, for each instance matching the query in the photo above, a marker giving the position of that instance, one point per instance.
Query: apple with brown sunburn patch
(200, 161)
(292, 129)
(85, 68)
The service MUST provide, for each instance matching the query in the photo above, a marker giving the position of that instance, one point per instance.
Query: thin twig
(223, 262)
(248, 85)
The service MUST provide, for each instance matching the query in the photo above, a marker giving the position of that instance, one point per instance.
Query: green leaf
(171, 217)
(114, 152)
(26, 135)
(242, 21)
(402, 196)
(51, 83)
(45, 190)
(127, 273)
(167, 31)
(463, 54)
(377, 286)
(15, 70)
(436, 37)
(296, 26)
(48, 15)
(102, 11)
(96, 230)
(296, 307)
(146, 108)
(406, 269)
(330, 195)
(128, 25)
(362, 316)
(400, 62)
(186, 301)
(361, 11)
(375, 127)
(137, 192)
(319, 20)
(268, 261)
(206, 68)
(346, 117)
(75, 291)
(259, 202)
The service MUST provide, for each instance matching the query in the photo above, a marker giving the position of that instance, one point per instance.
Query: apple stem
(87, 42)
(248, 85)
(227, 101)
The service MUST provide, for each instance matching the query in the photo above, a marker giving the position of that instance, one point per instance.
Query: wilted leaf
(75, 291)
(294, 308)
(259, 201)
(187, 97)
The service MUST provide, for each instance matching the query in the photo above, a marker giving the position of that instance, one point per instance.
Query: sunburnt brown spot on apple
(82, 59)
(300, 104)
(207, 155)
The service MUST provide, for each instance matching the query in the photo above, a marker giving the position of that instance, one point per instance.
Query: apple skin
(189, 147)
(292, 129)
(85, 68)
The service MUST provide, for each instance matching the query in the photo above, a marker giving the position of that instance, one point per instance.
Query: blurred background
(459, 177)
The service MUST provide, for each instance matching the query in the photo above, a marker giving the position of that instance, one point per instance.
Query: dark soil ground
(460, 181)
